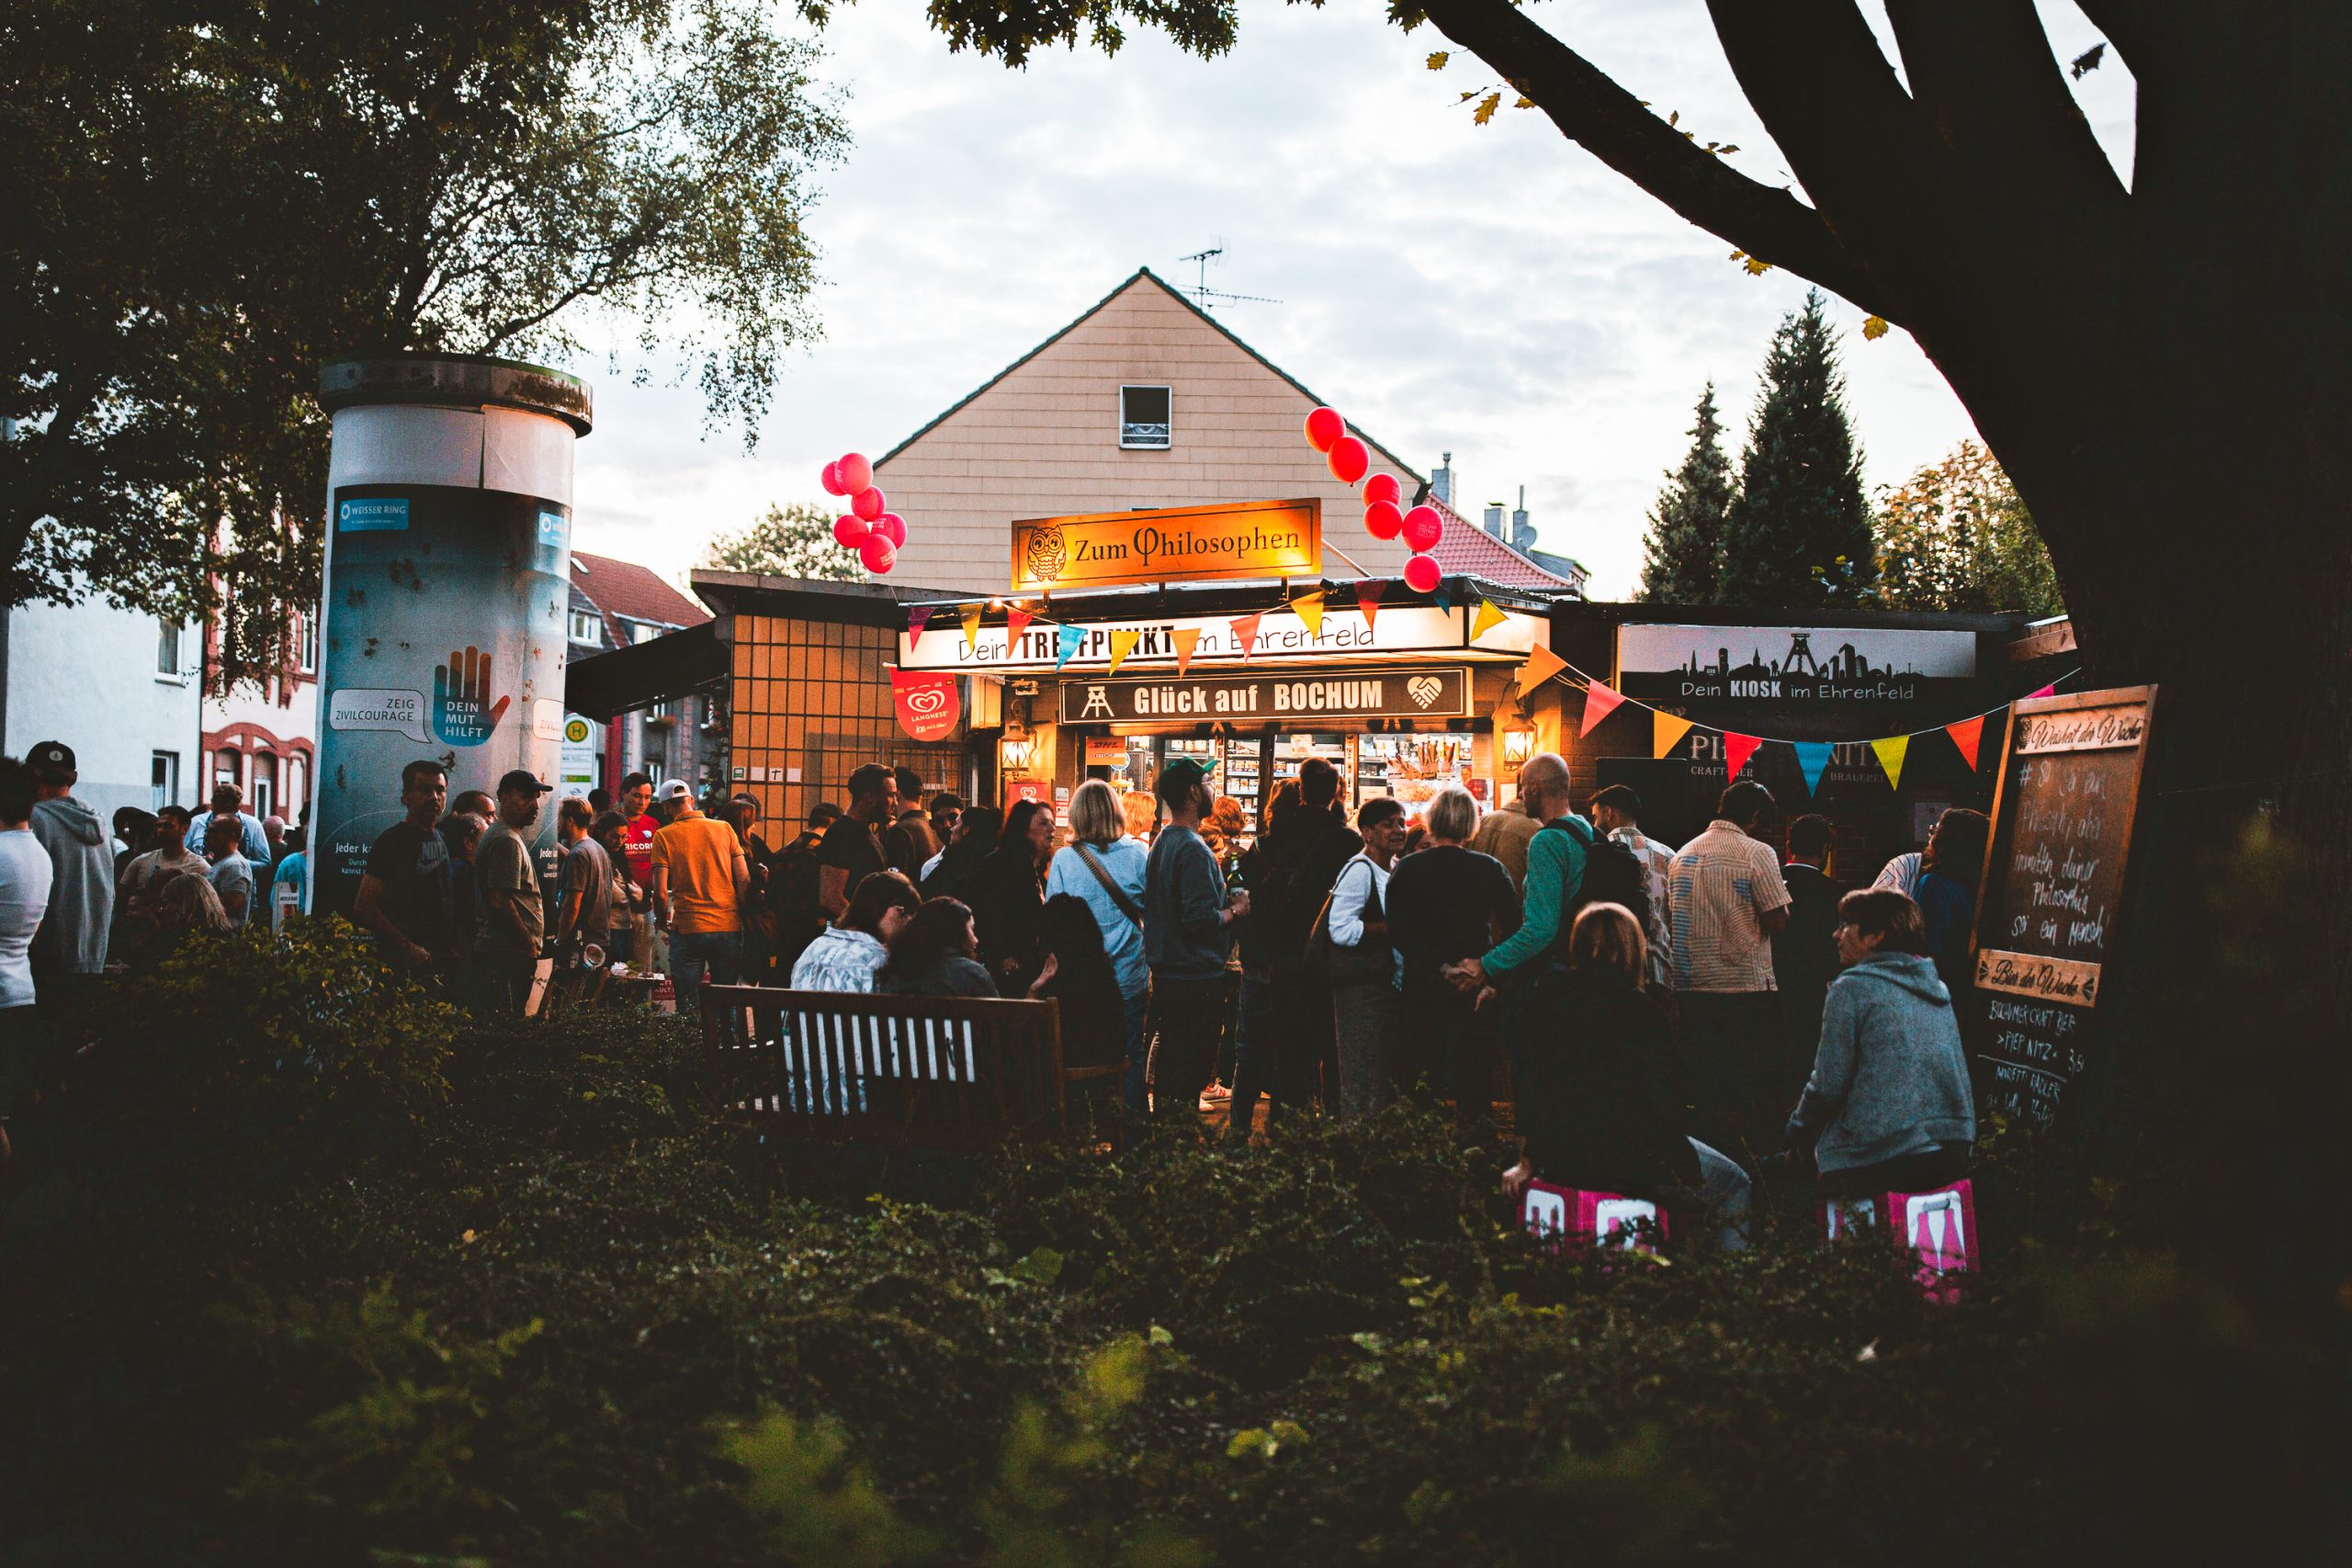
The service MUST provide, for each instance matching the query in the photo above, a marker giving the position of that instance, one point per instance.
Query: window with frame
(168, 649)
(306, 645)
(1145, 416)
(587, 627)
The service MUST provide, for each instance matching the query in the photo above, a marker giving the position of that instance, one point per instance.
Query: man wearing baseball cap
(513, 917)
(72, 936)
(702, 884)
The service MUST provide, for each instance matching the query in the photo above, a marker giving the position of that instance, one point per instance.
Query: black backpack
(1613, 875)
(792, 894)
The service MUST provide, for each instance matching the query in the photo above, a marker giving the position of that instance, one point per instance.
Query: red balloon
(1349, 459)
(832, 479)
(850, 531)
(1384, 487)
(867, 503)
(1422, 574)
(1423, 529)
(1325, 427)
(879, 553)
(1382, 521)
(891, 526)
(855, 472)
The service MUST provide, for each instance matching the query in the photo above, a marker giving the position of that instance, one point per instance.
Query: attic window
(1144, 418)
(587, 627)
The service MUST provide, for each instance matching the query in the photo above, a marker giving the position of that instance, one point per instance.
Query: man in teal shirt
(1555, 859)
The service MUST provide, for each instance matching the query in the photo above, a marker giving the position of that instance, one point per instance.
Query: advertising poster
(443, 640)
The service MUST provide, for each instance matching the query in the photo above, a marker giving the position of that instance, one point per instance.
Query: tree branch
(1589, 108)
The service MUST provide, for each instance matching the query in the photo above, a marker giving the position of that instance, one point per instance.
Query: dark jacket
(1183, 891)
(1008, 903)
(1598, 1102)
(1094, 1029)
(952, 975)
(1445, 904)
(1805, 956)
(1290, 874)
(958, 872)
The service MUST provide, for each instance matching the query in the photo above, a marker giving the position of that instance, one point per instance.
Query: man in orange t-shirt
(702, 884)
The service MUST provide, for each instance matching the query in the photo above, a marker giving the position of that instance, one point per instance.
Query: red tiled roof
(1469, 550)
(624, 589)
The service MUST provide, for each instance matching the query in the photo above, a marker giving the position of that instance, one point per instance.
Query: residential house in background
(263, 735)
(125, 691)
(618, 603)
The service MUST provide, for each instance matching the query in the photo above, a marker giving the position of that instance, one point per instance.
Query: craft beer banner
(1441, 692)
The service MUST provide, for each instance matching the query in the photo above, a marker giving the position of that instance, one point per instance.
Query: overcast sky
(1493, 291)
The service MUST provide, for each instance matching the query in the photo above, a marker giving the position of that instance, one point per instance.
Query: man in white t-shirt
(1726, 899)
(25, 878)
(231, 874)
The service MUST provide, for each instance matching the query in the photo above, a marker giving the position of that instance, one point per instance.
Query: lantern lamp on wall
(1519, 740)
(1015, 752)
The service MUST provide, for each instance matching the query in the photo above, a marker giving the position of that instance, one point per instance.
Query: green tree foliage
(1683, 557)
(1800, 504)
(204, 203)
(794, 540)
(1956, 536)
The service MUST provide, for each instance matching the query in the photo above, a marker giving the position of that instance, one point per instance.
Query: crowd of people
(1671, 1017)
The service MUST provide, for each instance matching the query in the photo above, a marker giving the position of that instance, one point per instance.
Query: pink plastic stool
(1939, 1229)
(1591, 1219)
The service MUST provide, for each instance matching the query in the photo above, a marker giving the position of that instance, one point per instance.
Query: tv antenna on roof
(1205, 296)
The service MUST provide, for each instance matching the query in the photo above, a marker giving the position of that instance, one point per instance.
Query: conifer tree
(1799, 532)
(1683, 554)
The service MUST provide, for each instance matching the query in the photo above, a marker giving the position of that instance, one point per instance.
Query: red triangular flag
(1737, 749)
(1368, 599)
(1966, 735)
(1600, 702)
(916, 619)
(1016, 621)
(1245, 631)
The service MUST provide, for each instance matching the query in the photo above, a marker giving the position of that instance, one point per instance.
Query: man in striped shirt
(1726, 900)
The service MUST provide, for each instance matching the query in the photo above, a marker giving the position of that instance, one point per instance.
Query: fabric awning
(605, 685)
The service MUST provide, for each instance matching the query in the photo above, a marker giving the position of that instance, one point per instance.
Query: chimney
(1522, 537)
(1441, 482)
(1494, 523)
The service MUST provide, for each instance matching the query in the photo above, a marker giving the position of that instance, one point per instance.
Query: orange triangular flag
(1122, 644)
(1890, 757)
(1737, 749)
(1600, 702)
(971, 619)
(1016, 621)
(1540, 666)
(1245, 630)
(1310, 610)
(1666, 732)
(1187, 639)
(1966, 735)
(1488, 618)
(1368, 600)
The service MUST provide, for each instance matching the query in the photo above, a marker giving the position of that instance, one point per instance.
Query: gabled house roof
(1140, 274)
(623, 590)
(1469, 550)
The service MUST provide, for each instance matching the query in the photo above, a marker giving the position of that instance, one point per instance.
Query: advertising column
(447, 577)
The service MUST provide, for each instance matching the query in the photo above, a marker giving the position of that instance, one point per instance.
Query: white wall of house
(90, 675)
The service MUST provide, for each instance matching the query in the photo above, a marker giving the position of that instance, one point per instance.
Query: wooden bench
(908, 1072)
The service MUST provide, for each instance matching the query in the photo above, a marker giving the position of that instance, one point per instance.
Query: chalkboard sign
(2072, 770)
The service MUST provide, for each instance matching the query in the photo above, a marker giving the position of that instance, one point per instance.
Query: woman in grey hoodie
(1888, 1107)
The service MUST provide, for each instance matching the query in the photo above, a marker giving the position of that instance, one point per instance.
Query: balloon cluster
(1384, 517)
(875, 533)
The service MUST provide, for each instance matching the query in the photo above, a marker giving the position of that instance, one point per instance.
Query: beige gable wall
(1044, 442)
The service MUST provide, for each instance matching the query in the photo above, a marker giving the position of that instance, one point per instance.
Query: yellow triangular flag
(1122, 644)
(1187, 639)
(1310, 610)
(1890, 757)
(972, 628)
(1666, 732)
(1540, 666)
(1488, 618)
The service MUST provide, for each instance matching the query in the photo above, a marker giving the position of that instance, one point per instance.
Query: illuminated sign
(1186, 544)
(1435, 691)
(1280, 634)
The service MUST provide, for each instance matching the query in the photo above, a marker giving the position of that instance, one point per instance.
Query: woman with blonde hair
(1599, 1106)
(1141, 808)
(1102, 866)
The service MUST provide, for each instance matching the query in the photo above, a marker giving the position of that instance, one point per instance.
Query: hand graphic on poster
(463, 713)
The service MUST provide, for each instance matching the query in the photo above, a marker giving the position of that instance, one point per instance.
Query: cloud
(1493, 291)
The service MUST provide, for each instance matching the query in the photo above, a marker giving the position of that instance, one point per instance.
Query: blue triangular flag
(1068, 637)
(1444, 594)
(1812, 760)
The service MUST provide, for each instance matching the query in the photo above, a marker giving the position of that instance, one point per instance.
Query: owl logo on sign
(1045, 557)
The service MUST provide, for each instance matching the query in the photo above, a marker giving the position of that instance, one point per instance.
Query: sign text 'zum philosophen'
(1186, 544)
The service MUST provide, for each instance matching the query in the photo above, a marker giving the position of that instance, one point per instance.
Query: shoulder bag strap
(1127, 906)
